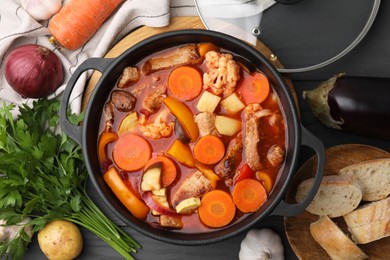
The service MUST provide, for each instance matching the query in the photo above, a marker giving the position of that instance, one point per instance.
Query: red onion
(33, 71)
(154, 205)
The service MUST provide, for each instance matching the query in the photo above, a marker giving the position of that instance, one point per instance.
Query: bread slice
(334, 241)
(336, 196)
(373, 176)
(369, 222)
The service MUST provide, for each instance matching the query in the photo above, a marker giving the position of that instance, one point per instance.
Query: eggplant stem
(318, 102)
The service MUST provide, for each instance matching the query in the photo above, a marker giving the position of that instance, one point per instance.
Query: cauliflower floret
(223, 75)
(159, 128)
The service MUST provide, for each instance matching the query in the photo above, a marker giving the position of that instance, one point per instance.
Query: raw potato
(60, 240)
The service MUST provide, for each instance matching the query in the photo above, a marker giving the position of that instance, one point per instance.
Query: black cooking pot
(111, 69)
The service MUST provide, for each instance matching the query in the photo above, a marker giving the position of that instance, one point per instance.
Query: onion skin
(358, 105)
(33, 71)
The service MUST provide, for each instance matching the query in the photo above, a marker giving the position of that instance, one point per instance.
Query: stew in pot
(191, 139)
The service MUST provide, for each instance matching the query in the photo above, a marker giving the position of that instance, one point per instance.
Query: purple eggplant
(358, 105)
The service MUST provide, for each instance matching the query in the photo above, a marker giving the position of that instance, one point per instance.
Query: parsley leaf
(42, 176)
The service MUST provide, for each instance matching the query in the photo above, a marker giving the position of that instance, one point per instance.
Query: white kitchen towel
(17, 28)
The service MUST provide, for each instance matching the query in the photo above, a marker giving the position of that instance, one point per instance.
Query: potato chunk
(227, 126)
(208, 102)
(232, 104)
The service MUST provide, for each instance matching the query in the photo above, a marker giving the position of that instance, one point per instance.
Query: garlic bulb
(8, 233)
(41, 9)
(261, 244)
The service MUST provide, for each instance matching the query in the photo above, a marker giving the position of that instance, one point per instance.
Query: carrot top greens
(43, 176)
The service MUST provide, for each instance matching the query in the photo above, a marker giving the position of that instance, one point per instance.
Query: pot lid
(239, 18)
(282, 25)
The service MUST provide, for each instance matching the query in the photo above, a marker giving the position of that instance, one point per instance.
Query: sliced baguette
(373, 176)
(334, 241)
(336, 196)
(369, 222)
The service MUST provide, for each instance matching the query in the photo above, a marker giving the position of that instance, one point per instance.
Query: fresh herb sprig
(43, 176)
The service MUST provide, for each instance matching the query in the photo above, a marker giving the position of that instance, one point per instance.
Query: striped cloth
(17, 28)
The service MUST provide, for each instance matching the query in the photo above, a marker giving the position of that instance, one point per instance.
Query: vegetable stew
(193, 137)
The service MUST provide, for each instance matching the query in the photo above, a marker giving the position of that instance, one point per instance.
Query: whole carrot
(78, 20)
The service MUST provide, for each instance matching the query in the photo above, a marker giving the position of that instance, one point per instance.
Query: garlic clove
(261, 244)
(41, 9)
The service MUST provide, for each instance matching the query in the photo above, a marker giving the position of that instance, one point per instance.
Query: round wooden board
(297, 227)
(176, 23)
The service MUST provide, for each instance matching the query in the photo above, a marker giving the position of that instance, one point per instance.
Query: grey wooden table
(300, 35)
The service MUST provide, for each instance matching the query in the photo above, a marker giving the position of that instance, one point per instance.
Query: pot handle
(287, 209)
(74, 131)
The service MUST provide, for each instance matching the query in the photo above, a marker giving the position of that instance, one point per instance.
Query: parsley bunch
(42, 175)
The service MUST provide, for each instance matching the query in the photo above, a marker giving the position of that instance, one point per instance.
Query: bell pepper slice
(104, 139)
(136, 206)
(182, 153)
(184, 115)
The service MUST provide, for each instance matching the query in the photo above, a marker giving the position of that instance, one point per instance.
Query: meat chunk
(153, 100)
(252, 139)
(275, 155)
(185, 55)
(160, 127)
(252, 136)
(223, 75)
(226, 167)
(194, 185)
(171, 221)
(206, 123)
(123, 100)
(130, 75)
(109, 115)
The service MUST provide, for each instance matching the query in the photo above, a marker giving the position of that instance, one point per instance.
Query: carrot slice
(209, 149)
(249, 195)
(131, 152)
(255, 89)
(137, 207)
(217, 209)
(185, 83)
(169, 170)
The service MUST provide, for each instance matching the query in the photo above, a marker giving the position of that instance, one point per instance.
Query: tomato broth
(268, 118)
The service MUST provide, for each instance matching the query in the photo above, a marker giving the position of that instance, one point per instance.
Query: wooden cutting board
(176, 23)
(297, 227)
